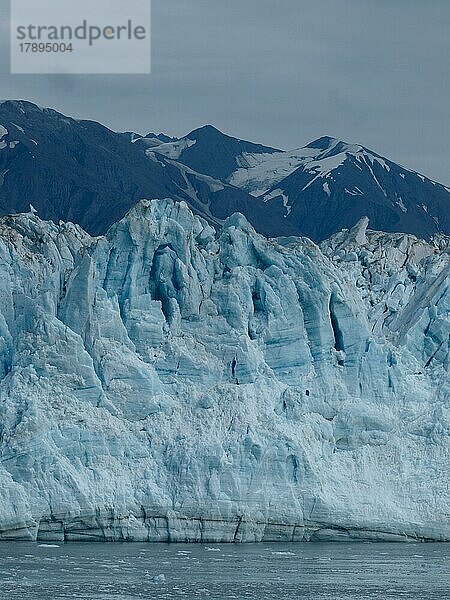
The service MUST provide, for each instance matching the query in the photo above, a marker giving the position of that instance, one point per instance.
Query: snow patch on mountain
(3, 132)
(259, 172)
(174, 150)
(402, 204)
(21, 129)
(279, 194)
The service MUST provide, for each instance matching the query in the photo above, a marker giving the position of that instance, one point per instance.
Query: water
(226, 572)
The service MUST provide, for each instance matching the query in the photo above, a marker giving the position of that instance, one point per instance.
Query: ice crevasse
(170, 382)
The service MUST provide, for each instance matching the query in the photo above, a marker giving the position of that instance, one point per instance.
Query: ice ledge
(104, 526)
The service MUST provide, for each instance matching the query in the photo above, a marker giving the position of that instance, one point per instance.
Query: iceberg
(171, 382)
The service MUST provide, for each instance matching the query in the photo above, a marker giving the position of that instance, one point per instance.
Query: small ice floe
(48, 545)
(161, 578)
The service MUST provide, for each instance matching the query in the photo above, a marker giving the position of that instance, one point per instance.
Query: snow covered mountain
(83, 172)
(170, 382)
(330, 185)
(322, 188)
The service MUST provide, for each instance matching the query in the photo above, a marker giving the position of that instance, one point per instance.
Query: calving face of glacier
(167, 382)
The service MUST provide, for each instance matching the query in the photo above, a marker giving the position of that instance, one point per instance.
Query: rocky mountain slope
(329, 185)
(85, 173)
(80, 171)
(341, 183)
(170, 382)
(208, 150)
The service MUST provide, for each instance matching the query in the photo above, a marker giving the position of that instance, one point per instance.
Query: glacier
(171, 382)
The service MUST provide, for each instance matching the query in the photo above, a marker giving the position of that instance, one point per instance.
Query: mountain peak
(323, 143)
(333, 146)
(209, 151)
(206, 130)
(22, 105)
(209, 133)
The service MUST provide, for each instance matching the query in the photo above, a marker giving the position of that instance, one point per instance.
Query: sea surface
(360, 571)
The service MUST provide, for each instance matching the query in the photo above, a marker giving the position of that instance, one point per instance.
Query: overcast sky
(278, 72)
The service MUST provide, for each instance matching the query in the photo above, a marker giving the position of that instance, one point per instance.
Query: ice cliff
(168, 382)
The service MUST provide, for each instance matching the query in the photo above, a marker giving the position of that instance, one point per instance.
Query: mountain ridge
(80, 170)
(319, 187)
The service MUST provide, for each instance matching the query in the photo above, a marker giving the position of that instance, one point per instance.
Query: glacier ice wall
(167, 382)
